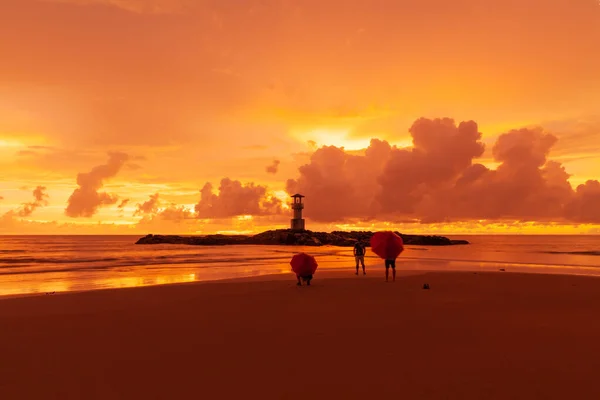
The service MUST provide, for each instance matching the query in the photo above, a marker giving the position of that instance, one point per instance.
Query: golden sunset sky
(202, 116)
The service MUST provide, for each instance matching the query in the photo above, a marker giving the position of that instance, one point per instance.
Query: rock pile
(295, 238)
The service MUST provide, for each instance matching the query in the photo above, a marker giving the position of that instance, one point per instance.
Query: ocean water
(41, 264)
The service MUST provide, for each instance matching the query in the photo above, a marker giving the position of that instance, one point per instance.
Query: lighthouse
(297, 222)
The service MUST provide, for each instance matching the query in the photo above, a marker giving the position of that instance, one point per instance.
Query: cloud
(175, 213)
(273, 168)
(149, 206)
(585, 205)
(234, 199)
(439, 180)
(123, 203)
(441, 151)
(10, 220)
(575, 134)
(525, 186)
(155, 216)
(40, 199)
(86, 199)
(338, 184)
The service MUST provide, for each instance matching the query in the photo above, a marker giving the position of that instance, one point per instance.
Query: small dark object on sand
(426, 286)
(502, 269)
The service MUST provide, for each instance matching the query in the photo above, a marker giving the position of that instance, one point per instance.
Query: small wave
(28, 265)
(135, 265)
(578, 253)
(35, 260)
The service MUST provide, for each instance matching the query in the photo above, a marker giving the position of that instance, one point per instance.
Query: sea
(53, 264)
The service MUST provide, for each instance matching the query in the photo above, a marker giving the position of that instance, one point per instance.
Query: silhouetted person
(306, 278)
(359, 256)
(390, 264)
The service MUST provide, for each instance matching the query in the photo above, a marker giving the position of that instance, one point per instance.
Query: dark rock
(294, 238)
(458, 241)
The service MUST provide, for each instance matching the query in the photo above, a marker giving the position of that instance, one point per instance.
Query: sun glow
(339, 137)
(10, 143)
(332, 137)
(284, 197)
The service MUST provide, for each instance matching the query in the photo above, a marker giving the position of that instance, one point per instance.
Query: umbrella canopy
(303, 264)
(387, 245)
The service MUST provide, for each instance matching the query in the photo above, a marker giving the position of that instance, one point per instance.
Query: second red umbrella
(387, 245)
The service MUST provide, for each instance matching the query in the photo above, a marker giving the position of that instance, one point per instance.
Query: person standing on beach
(359, 256)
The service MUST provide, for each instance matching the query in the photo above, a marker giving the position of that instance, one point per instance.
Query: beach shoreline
(473, 335)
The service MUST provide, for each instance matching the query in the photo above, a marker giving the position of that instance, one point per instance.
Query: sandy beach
(471, 336)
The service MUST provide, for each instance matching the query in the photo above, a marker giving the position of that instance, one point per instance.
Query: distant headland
(290, 237)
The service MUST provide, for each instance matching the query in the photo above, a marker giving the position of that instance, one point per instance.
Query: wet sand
(471, 336)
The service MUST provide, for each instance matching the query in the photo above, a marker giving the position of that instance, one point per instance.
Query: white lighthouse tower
(297, 223)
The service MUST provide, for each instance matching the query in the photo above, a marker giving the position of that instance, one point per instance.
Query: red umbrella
(303, 264)
(387, 245)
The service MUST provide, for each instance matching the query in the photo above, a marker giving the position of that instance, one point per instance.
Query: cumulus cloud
(338, 185)
(524, 186)
(40, 199)
(175, 213)
(234, 199)
(10, 219)
(86, 199)
(439, 180)
(153, 212)
(441, 151)
(273, 168)
(148, 207)
(585, 205)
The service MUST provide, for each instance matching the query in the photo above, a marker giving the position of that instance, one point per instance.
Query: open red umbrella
(387, 245)
(304, 264)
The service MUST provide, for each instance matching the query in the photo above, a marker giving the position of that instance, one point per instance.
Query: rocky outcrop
(287, 237)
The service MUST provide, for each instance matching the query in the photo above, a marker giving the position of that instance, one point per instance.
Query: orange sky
(162, 96)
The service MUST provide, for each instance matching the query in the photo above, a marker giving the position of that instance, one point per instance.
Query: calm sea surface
(37, 264)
